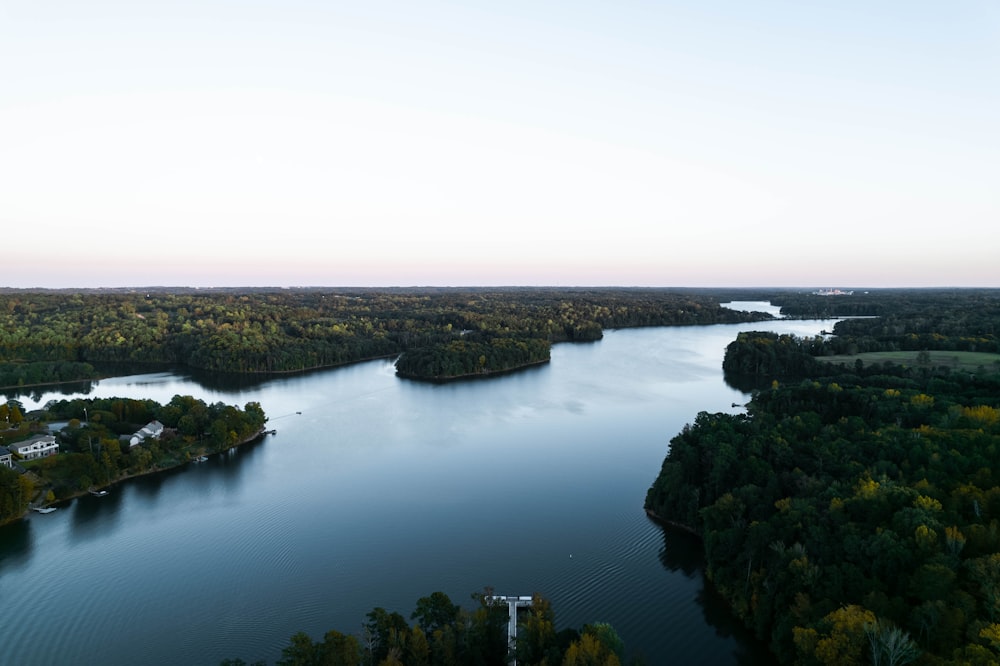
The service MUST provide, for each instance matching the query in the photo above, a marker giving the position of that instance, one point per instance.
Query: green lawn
(956, 360)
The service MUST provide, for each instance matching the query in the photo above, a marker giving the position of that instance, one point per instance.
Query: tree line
(445, 634)
(265, 331)
(852, 514)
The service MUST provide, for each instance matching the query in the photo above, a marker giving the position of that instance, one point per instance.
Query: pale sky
(381, 142)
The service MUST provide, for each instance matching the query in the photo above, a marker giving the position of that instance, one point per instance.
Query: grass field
(956, 360)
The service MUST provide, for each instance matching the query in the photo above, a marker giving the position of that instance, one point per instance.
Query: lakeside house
(152, 429)
(6, 457)
(38, 446)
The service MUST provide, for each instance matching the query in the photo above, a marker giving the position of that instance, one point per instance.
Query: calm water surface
(377, 491)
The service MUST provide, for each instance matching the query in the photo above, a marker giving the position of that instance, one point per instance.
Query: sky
(409, 143)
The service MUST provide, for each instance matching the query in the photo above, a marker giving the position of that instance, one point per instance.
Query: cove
(376, 491)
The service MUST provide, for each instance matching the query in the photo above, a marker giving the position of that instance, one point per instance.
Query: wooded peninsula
(852, 514)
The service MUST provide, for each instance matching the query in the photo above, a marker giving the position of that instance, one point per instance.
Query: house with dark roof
(38, 446)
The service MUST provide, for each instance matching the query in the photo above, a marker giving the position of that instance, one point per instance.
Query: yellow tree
(589, 651)
(841, 639)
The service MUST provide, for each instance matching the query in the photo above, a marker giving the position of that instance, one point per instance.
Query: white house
(152, 429)
(6, 457)
(38, 446)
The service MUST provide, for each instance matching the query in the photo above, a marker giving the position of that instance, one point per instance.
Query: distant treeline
(852, 515)
(266, 331)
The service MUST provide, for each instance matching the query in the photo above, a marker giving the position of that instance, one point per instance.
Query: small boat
(47, 509)
(98, 493)
(200, 459)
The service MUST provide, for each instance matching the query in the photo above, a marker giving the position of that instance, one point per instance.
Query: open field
(956, 360)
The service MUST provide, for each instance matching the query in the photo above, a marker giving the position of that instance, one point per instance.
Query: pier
(513, 603)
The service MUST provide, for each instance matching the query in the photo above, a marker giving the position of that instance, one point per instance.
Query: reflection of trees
(94, 516)
(682, 552)
(747, 383)
(15, 545)
(37, 393)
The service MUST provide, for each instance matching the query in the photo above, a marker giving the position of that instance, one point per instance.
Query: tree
(339, 649)
(301, 651)
(381, 627)
(841, 639)
(985, 573)
(434, 612)
(890, 645)
(536, 637)
(15, 416)
(418, 650)
(608, 637)
(590, 651)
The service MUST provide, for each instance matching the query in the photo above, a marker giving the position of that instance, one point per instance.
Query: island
(472, 356)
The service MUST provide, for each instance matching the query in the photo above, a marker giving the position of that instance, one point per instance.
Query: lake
(377, 491)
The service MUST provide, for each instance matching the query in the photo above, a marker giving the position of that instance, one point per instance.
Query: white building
(152, 429)
(38, 446)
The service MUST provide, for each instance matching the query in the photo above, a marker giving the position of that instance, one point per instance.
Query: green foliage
(460, 637)
(851, 518)
(96, 456)
(434, 612)
(44, 372)
(472, 357)
(16, 491)
(262, 331)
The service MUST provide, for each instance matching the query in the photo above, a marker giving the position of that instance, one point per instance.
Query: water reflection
(682, 551)
(35, 394)
(15, 546)
(230, 467)
(747, 651)
(94, 516)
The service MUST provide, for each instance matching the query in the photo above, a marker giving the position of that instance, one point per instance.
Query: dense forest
(285, 330)
(852, 514)
(445, 634)
(94, 454)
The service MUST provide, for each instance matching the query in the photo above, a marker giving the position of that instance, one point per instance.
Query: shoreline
(189, 368)
(32, 506)
(673, 524)
(444, 379)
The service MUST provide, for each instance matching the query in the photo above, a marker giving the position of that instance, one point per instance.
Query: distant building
(833, 292)
(6, 457)
(38, 446)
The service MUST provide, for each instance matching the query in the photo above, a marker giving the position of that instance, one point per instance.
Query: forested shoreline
(439, 333)
(93, 455)
(852, 514)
